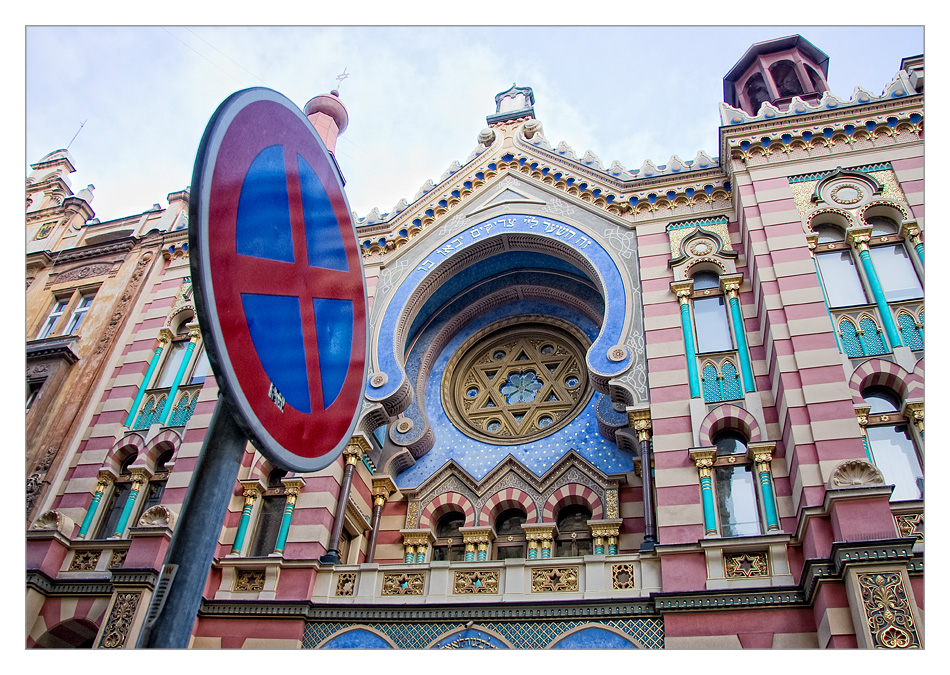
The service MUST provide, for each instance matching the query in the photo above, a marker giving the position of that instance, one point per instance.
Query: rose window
(517, 383)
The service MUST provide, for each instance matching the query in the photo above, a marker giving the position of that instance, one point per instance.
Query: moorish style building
(672, 406)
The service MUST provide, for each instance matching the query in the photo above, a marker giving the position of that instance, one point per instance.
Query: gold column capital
(477, 535)
(355, 448)
(104, 479)
(862, 412)
(704, 458)
(604, 528)
(539, 531)
(165, 336)
(383, 487)
(253, 488)
(914, 411)
(859, 236)
(682, 290)
(293, 487)
(416, 537)
(730, 284)
(641, 422)
(140, 476)
(911, 230)
(761, 453)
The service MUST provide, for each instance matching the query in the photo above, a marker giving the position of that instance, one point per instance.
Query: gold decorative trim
(117, 628)
(889, 617)
(118, 558)
(554, 579)
(623, 576)
(345, 583)
(910, 525)
(84, 561)
(746, 565)
(407, 583)
(476, 581)
(249, 581)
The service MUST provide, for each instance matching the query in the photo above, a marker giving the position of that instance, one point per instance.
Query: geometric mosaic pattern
(648, 633)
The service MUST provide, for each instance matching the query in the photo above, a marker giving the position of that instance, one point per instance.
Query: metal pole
(377, 512)
(174, 606)
(332, 556)
(649, 518)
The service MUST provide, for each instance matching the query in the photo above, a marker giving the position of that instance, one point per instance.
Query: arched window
(156, 484)
(449, 544)
(175, 354)
(892, 446)
(912, 333)
(736, 496)
(896, 272)
(573, 532)
(757, 92)
(786, 79)
(828, 233)
(881, 225)
(120, 494)
(710, 316)
(815, 78)
(510, 541)
(269, 517)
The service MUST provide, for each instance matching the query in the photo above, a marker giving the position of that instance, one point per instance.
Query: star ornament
(521, 387)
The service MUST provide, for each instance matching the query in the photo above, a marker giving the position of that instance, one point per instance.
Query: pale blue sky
(417, 96)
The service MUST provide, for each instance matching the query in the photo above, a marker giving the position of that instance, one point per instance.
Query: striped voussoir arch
(123, 448)
(729, 416)
(67, 622)
(446, 503)
(508, 498)
(572, 494)
(881, 373)
(165, 441)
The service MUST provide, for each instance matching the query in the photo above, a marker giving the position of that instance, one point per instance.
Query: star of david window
(517, 383)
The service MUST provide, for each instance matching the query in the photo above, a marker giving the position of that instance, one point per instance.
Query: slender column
(730, 286)
(383, 489)
(532, 549)
(914, 411)
(105, 479)
(416, 543)
(761, 455)
(252, 491)
(862, 413)
(421, 549)
(605, 533)
(292, 488)
(642, 423)
(859, 239)
(139, 478)
(351, 454)
(470, 551)
(683, 291)
(477, 540)
(545, 549)
(911, 232)
(410, 553)
(163, 339)
(170, 402)
(704, 461)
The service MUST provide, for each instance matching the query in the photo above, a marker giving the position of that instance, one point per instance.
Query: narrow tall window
(271, 513)
(510, 541)
(448, 543)
(736, 497)
(79, 313)
(709, 313)
(202, 368)
(841, 280)
(173, 359)
(53, 318)
(892, 446)
(573, 532)
(896, 272)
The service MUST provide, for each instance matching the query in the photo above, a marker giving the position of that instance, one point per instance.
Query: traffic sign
(278, 279)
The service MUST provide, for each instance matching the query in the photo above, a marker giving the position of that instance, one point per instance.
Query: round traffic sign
(278, 279)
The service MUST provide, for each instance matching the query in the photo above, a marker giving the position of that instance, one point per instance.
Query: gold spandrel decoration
(84, 561)
(910, 525)
(612, 503)
(345, 583)
(679, 233)
(889, 617)
(408, 583)
(746, 565)
(623, 576)
(412, 516)
(117, 628)
(554, 579)
(249, 580)
(476, 581)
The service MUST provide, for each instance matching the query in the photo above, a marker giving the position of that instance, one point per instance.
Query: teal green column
(291, 492)
(763, 466)
(912, 233)
(138, 479)
(919, 247)
(704, 461)
(145, 383)
(890, 328)
(683, 292)
(94, 506)
(169, 403)
(732, 292)
(250, 496)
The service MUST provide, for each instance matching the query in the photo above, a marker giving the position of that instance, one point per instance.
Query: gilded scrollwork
(408, 583)
(249, 580)
(554, 579)
(476, 581)
(889, 617)
(118, 626)
(623, 576)
(746, 565)
(84, 561)
(345, 583)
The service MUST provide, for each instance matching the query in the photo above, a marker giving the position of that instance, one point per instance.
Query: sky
(140, 96)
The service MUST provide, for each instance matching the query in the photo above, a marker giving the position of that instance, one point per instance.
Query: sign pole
(174, 606)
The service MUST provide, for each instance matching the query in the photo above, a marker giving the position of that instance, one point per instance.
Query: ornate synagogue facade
(676, 406)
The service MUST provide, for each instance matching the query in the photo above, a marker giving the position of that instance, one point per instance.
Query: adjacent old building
(671, 406)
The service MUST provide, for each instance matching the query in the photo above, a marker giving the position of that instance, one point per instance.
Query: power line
(203, 56)
(225, 55)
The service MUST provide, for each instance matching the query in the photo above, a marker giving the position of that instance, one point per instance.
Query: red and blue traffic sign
(278, 280)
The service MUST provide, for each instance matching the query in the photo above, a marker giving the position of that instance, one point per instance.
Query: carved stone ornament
(158, 516)
(119, 625)
(54, 520)
(855, 473)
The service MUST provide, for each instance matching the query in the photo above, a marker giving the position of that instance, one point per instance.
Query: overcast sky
(417, 96)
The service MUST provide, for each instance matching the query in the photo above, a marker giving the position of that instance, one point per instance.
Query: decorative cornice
(86, 252)
(39, 581)
(53, 347)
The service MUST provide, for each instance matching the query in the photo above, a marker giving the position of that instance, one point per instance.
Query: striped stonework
(881, 373)
(506, 499)
(729, 416)
(569, 495)
(445, 503)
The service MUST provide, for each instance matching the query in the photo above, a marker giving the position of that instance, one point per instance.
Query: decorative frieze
(249, 581)
(889, 617)
(476, 581)
(746, 565)
(118, 626)
(910, 525)
(345, 583)
(84, 561)
(623, 576)
(407, 583)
